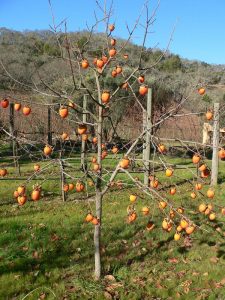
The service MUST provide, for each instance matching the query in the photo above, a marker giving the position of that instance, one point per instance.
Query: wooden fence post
(49, 127)
(62, 176)
(11, 126)
(13, 137)
(216, 133)
(83, 143)
(147, 124)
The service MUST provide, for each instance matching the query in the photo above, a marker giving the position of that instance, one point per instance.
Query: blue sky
(199, 32)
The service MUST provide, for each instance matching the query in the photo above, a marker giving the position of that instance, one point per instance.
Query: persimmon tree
(108, 78)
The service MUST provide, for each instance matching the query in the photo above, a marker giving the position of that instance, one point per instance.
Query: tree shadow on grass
(127, 258)
(57, 254)
(221, 252)
(221, 178)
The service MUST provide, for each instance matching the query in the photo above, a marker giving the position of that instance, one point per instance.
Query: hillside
(39, 59)
(26, 53)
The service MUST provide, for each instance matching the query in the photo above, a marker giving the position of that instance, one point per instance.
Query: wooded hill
(30, 52)
(40, 59)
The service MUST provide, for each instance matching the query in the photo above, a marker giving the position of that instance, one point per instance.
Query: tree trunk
(147, 124)
(98, 199)
(97, 236)
(216, 134)
(83, 143)
(205, 133)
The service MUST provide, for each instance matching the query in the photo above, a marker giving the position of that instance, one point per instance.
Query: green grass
(47, 245)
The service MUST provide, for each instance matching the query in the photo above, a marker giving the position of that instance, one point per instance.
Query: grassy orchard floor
(48, 245)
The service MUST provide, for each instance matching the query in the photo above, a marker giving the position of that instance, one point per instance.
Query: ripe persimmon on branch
(110, 80)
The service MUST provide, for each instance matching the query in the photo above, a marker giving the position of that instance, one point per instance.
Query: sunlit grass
(48, 245)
